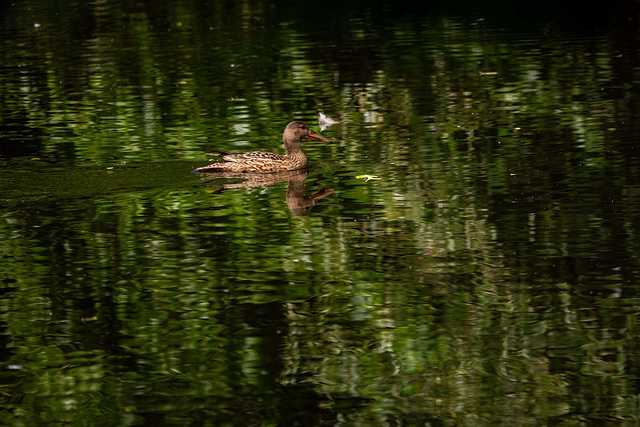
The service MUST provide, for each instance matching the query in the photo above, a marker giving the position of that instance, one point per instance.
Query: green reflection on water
(488, 276)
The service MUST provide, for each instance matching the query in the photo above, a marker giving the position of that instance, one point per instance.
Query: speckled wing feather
(253, 156)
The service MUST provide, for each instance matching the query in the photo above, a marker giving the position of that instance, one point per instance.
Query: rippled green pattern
(471, 255)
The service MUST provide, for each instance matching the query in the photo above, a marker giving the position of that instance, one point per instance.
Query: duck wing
(253, 156)
(249, 157)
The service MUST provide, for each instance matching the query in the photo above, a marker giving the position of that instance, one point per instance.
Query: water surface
(473, 258)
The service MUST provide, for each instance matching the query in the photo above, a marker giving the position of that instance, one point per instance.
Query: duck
(264, 161)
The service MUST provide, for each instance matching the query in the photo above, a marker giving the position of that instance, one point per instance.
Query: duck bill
(316, 137)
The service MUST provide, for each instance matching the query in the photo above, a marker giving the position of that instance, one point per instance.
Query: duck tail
(213, 167)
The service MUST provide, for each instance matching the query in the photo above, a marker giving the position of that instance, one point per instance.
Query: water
(471, 256)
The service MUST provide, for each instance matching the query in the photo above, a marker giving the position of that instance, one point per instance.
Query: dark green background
(488, 276)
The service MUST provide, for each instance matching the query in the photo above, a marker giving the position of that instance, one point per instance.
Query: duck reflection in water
(298, 203)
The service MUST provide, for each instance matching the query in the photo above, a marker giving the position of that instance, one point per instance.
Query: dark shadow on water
(299, 204)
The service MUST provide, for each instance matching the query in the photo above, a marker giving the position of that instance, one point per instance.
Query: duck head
(296, 131)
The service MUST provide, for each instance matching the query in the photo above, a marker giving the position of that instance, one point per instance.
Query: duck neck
(294, 151)
(294, 189)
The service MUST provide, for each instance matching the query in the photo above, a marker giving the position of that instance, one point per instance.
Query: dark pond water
(472, 255)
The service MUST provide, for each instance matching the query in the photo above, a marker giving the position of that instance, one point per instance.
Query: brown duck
(265, 162)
